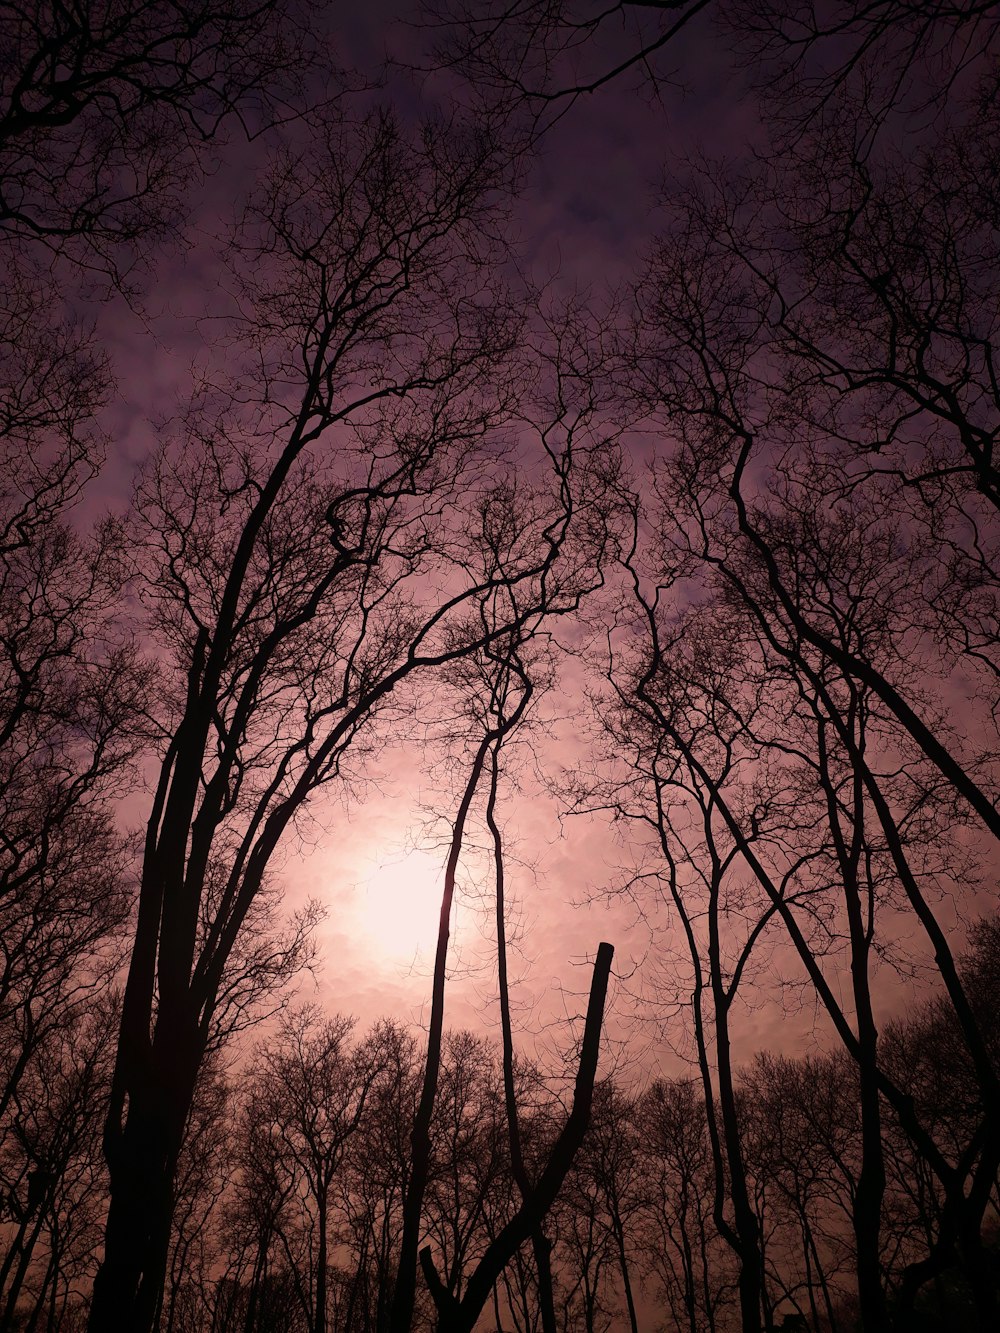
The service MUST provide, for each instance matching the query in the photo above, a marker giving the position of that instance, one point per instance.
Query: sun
(400, 904)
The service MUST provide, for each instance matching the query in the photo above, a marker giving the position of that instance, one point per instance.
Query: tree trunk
(142, 1161)
(319, 1315)
(541, 1246)
(460, 1316)
(623, 1265)
(749, 1283)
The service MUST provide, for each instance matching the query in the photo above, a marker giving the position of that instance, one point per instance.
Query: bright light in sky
(400, 903)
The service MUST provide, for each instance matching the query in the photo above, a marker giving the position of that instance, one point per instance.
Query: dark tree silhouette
(678, 1242)
(396, 478)
(829, 487)
(108, 110)
(894, 58)
(361, 263)
(50, 1165)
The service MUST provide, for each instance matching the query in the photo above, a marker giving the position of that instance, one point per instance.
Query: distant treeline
(288, 1206)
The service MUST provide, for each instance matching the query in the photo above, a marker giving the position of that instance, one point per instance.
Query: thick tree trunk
(131, 1275)
(142, 1157)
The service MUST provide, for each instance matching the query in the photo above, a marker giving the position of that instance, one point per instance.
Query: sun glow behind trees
(399, 903)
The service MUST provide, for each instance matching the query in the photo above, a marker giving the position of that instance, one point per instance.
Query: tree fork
(459, 1316)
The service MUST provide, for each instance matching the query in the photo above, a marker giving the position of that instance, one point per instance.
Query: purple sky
(585, 219)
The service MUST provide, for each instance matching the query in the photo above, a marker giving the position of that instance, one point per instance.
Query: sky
(585, 218)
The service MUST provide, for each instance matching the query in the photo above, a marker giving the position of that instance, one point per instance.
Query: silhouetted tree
(690, 1265)
(674, 747)
(107, 111)
(536, 60)
(360, 260)
(375, 1181)
(313, 1085)
(776, 502)
(468, 1157)
(73, 689)
(579, 533)
(202, 1179)
(804, 1150)
(70, 685)
(609, 1167)
(52, 1172)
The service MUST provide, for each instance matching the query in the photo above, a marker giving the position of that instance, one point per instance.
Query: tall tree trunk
(623, 1265)
(749, 1283)
(849, 845)
(541, 1246)
(319, 1314)
(404, 1293)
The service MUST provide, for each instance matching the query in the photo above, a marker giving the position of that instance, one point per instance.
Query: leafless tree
(538, 59)
(897, 58)
(680, 1249)
(375, 1181)
(804, 1152)
(311, 1087)
(460, 1312)
(674, 748)
(781, 507)
(282, 575)
(608, 1166)
(108, 111)
(468, 1157)
(71, 684)
(799, 60)
(73, 689)
(202, 1179)
(52, 1169)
